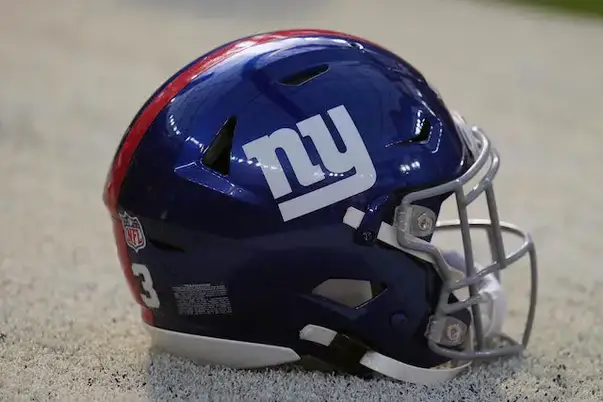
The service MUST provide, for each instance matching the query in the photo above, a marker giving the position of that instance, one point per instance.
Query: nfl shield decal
(133, 232)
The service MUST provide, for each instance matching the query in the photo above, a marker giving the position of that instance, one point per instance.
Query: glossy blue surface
(228, 229)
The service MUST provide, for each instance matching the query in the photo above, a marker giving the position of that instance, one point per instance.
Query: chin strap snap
(382, 364)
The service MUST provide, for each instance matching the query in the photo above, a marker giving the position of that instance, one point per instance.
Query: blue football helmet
(276, 199)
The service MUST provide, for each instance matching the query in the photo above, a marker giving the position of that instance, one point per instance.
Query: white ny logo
(356, 156)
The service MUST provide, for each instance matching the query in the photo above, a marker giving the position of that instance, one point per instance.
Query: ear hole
(349, 292)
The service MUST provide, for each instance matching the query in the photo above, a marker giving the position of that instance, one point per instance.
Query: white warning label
(202, 299)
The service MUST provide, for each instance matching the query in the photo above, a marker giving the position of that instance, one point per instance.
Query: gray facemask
(486, 300)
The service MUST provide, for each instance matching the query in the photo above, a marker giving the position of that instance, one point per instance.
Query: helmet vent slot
(217, 156)
(304, 76)
(422, 132)
(421, 135)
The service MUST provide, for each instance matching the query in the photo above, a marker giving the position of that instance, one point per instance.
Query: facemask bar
(414, 221)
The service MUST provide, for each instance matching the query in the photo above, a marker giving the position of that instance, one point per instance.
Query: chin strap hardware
(377, 362)
(447, 331)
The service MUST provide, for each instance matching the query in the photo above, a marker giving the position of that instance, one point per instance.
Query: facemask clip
(447, 331)
(415, 220)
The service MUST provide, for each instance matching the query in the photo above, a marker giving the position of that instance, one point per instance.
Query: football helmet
(277, 199)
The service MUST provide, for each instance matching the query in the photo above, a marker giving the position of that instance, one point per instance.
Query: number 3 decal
(149, 295)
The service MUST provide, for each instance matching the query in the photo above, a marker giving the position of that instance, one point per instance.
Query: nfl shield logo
(133, 232)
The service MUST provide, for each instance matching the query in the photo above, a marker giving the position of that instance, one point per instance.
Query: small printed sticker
(133, 232)
(202, 299)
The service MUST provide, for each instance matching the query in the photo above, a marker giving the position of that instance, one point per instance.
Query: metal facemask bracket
(418, 221)
(413, 221)
(447, 331)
